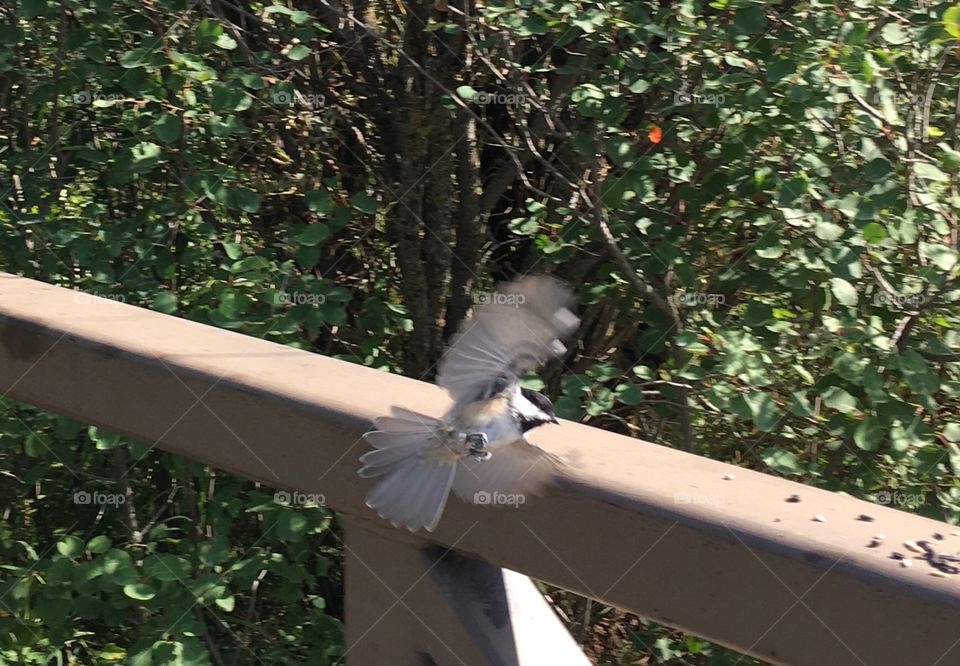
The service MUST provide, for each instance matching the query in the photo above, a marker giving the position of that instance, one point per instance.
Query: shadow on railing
(692, 543)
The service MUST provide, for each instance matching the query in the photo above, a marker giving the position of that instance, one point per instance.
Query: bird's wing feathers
(518, 331)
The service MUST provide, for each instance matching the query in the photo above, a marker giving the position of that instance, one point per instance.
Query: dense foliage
(757, 203)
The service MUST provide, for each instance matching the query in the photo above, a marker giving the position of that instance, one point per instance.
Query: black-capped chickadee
(478, 448)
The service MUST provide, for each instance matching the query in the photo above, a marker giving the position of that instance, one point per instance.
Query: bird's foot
(477, 442)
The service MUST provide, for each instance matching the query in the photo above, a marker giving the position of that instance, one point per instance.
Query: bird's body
(502, 418)
(478, 448)
(488, 417)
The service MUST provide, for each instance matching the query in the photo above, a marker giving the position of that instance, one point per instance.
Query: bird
(478, 448)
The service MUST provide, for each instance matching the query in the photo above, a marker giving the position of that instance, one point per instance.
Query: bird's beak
(553, 419)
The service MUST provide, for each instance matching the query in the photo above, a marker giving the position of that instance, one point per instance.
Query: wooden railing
(719, 551)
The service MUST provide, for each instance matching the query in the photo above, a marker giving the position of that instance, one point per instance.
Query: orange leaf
(655, 134)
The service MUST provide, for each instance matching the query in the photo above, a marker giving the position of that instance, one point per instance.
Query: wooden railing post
(410, 605)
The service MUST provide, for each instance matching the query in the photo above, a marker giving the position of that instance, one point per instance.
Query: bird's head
(534, 409)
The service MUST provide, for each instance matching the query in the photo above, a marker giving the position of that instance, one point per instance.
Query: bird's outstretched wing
(516, 330)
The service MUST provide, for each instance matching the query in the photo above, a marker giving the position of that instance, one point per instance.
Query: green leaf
(145, 154)
(252, 80)
(600, 402)
(951, 21)
(769, 246)
(165, 302)
(104, 439)
(70, 546)
(849, 366)
(229, 98)
(318, 201)
(917, 373)
(31, 9)
(873, 233)
(226, 603)
(137, 57)
(757, 314)
(524, 226)
(226, 42)
(750, 19)
(313, 234)
(341, 217)
(139, 591)
(61, 572)
(208, 29)
(112, 652)
(298, 52)
(233, 250)
(840, 400)
(800, 404)
(243, 198)
(467, 93)
(166, 567)
(781, 460)
(364, 203)
(167, 127)
(36, 444)
(53, 612)
(943, 257)
(297, 16)
(734, 60)
(792, 190)
(763, 410)
(780, 69)
(828, 231)
(214, 551)
(868, 434)
(532, 24)
(894, 33)
(10, 35)
(952, 432)
(99, 544)
(930, 172)
(629, 394)
(845, 292)
(292, 525)
(877, 170)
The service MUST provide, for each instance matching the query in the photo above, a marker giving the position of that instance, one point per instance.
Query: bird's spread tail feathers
(416, 466)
